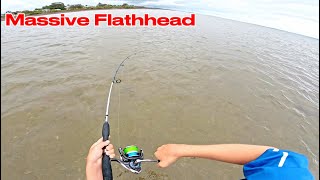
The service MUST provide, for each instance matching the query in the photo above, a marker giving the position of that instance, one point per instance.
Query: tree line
(60, 6)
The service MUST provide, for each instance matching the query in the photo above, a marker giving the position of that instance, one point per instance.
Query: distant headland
(60, 7)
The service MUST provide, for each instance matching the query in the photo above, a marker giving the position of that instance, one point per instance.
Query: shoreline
(80, 10)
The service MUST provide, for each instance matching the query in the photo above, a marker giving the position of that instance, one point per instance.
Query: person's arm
(94, 159)
(230, 153)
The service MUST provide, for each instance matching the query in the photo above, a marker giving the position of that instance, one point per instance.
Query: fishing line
(118, 81)
(115, 80)
(119, 116)
(131, 157)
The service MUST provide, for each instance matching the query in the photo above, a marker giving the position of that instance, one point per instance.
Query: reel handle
(146, 160)
(106, 163)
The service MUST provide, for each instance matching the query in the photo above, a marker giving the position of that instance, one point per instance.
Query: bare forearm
(93, 172)
(230, 153)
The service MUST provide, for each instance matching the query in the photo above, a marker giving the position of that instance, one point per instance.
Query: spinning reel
(131, 158)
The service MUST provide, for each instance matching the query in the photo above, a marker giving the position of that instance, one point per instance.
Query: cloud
(160, 3)
(296, 16)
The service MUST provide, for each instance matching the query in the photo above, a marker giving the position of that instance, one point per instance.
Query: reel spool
(132, 151)
(131, 158)
(128, 158)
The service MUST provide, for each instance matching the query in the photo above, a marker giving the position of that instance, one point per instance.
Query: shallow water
(221, 81)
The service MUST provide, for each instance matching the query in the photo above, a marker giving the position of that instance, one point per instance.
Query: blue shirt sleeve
(278, 164)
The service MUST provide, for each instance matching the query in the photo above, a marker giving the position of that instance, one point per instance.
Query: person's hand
(167, 154)
(96, 151)
(94, 158)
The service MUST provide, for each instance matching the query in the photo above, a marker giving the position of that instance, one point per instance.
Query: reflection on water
(218, 82)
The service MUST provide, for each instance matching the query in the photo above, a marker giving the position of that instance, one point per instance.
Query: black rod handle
(106, 163)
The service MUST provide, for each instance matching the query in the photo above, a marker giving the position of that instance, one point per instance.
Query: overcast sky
(298, 16)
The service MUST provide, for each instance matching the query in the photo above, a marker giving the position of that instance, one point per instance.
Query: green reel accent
(131, 151)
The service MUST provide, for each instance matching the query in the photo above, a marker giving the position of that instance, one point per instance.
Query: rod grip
(106, 163)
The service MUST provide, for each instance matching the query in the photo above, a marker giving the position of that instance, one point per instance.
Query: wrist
(182, 150)
(186, 150)
(93, 171)
(93, 165)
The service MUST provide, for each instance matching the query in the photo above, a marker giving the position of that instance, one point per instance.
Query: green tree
(76, 6)
(55, 5)
(100, 4)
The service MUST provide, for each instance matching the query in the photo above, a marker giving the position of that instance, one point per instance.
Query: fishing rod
(131, 157)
